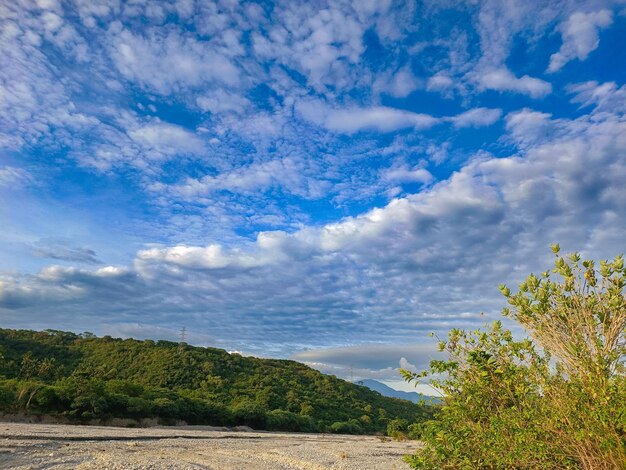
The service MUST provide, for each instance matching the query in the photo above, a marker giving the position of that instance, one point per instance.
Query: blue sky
(323, 181)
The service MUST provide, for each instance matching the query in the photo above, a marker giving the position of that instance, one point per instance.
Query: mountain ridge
(387, 391)
(83, 377)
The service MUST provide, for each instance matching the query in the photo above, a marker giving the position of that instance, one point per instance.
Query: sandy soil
(53, 446)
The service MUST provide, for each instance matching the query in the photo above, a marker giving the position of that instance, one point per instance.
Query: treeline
(83, 377)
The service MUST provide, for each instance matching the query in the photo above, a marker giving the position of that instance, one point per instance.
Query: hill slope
(83, 377)
(387, 391)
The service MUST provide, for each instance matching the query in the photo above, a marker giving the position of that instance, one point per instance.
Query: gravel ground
(53, 446)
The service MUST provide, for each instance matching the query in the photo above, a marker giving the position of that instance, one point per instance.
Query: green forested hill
(84, 377)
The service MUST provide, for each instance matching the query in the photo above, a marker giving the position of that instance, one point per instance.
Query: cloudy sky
(327, 181)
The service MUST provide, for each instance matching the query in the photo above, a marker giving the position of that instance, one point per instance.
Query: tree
(555, 400)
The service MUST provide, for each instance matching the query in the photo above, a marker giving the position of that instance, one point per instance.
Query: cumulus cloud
(406, 365)
(376, 118)
(159, 139)
(403, 174)
(399, 84)
(60, 284)
(385, 119)
(580, 35)
(502, 79)
(439, 82)
(477, 117)
(221, 101)
(528, 127)
(209, 257)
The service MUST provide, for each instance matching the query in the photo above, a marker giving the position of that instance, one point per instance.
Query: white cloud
(580, 37)
(60, 249)
(319, 43)
(384, 119)
(289, 174)
(501, 79)
(209, 257)
(34, 104)
(439, 82)
(375, 118)
(403, 83)
(406, 365)
(222, 101)
(14, 177)
(476, 117)
(403, 174)
(528, 127)
(91, 10)
(159, 139)
(499, 23)
(604, 96)
(168, 62)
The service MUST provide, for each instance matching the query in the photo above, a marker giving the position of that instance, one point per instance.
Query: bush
(346, 427)
(280, 420)
(396, 425)
(511, 404)
(416, 430)
(166, 408)
(139, 408)
(398, 429)
(124, 387)
(7, 396)
(47, 400)
(250, 414)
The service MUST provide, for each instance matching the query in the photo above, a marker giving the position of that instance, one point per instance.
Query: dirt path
(48, 446)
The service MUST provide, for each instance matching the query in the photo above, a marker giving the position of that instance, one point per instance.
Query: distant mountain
(387, 391)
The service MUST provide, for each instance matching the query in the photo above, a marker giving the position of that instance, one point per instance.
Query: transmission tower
(181, 344)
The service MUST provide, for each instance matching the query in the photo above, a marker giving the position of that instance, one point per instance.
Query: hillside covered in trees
(82, 377)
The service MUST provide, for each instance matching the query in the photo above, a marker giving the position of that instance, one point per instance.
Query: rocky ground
(50, 446)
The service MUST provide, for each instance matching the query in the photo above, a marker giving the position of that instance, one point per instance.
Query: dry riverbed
(53, 446)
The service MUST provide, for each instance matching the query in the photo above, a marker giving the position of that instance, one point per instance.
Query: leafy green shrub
(7, 395)
(398, 428)
(124, 387)
(416, 430)
(346, 427)
(280, 420)
(510, 404)
(166, 408)
(218, 414)
(139, 407)
(47, 400)
(492, 410)
(250, 414)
